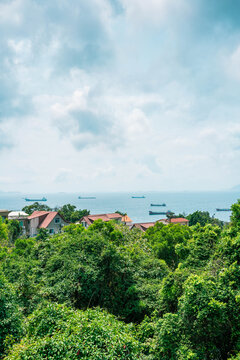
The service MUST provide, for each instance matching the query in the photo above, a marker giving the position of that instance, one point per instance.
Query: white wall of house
(33, 227)
(84, 224)
(56, 225)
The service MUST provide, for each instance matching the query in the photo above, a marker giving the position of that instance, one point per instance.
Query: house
(142, 226)
(50, 220)
(126, 220)
(88, 220)
(21, 217)
(4, 214)
(16, 215)
(145, 226)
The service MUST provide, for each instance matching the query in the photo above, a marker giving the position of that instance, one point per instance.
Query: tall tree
(29, 209)
(71, 214)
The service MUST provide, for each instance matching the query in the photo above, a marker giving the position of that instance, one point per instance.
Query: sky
(119, 95)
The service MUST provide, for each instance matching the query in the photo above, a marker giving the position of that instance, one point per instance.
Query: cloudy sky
(108, 95)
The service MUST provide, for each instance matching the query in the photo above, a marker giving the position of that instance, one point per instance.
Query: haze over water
(137, 209)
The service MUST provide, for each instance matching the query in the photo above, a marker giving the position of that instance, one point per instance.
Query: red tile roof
(37, 213)
(114, 216)
(46, 221)
(45, 217)
(178, 220)
(89, 219)
(144, 226)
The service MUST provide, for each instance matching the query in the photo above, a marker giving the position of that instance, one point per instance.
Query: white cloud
(156, 12)
(115, 99)
(233, 64)
(10, 12)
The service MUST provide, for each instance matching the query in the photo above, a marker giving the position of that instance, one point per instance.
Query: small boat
(223, 209)
(138, 197)
(157, 212)
(42, 199)
(158, 204)
(86, 197)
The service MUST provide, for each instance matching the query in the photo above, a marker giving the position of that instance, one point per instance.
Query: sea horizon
(180, 202)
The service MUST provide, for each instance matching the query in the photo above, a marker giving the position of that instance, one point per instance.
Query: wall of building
(33, 225)
(56, 227)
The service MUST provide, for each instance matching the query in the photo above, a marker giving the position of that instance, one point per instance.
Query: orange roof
(89, 219)
(103, 217)
(37, 213)
(45, 217)
(46, 221)
(126, 218)
(114, 216)
(144, 226)
(178, 220)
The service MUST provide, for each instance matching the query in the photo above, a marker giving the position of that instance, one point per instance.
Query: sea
(136, 208)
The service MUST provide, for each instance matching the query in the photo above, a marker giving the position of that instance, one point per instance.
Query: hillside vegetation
(172, 293)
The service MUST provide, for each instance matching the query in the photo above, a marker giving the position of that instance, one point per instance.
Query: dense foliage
(172, 293)
(203, 218)
(71, 214)
(57, 332)
(10, 317)
(36, 206)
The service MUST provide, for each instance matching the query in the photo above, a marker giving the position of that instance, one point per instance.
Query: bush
(10, 317)
(57, 332)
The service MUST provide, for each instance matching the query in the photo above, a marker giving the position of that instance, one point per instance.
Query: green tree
(203, 218)
(29, 209)
(168, 337)
(10, 316)
(14, 230)
(3, 232)
(88, 270)
(202, 246)
(235, 217)
(120, 213)
(43, 234)
(171, 290)
(73, 229)
(164, 238)
(205, 317)
(57, 332)
(71, 214)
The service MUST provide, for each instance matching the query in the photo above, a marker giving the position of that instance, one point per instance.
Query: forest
(108, 292)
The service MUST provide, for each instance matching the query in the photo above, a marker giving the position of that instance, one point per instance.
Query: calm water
(137, 209)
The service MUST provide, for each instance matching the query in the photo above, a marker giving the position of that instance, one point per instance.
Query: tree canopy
(108, 292)
(36, 206)
(71, 214)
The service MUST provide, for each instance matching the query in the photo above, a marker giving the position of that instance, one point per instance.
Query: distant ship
(86, 197)
(223, 209)
(138, 197)
(42, 199)
(158, 204)
(157, 212)
(160, 212)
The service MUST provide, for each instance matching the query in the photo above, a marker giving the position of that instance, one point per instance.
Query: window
(51, 231)
(57, 220)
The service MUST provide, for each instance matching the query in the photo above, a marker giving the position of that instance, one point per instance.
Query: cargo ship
(223, 209)
(87, 197)
(158, 204)
(157, 212)
(42, 199)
